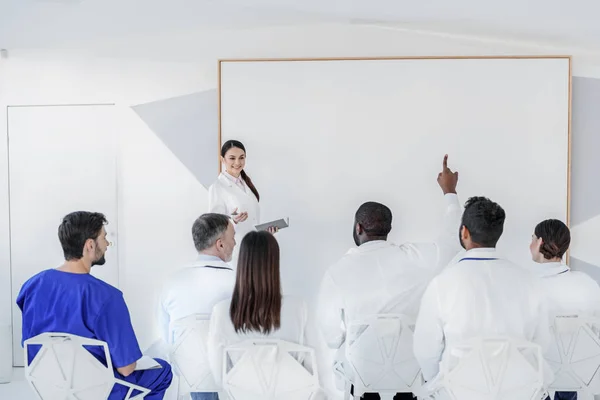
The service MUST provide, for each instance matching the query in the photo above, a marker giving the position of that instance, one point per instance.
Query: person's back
(483, 295)
(483, 298)
(292, 328)
(77, 304)
(377, 278)
(571, 291)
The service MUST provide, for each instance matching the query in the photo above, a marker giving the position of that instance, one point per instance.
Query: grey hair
(207, 229)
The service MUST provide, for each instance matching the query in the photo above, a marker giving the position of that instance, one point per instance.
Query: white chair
(379, 352)
(490, 369)
(574, 355)
(270, 370)
(189, 356)
(64, 370)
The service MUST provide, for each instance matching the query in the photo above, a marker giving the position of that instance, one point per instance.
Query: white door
(61, 159)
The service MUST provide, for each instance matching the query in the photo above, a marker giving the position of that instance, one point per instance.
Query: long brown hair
(230, 144)
(256, 300)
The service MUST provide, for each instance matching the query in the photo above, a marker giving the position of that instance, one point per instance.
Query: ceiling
(50, 23)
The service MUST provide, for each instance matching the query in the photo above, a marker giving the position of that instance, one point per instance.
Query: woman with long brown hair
(257, 308)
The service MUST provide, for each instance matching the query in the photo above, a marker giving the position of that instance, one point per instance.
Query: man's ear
(464, 233)
(359, 228)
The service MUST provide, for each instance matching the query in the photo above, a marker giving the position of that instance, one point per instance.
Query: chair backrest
(64, 369)
(269, 369)
(574, 354)
(493, 369)
(379, 350)
(189, 356)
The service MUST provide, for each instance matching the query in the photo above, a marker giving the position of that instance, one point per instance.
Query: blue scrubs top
(79, 304)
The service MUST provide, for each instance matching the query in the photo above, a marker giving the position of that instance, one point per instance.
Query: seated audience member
(568, 292)
(196, 288)
(70, 300)
(379, 277)
(483, 295)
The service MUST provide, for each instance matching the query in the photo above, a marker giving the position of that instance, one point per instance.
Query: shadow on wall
(585, 198)
(188, 126)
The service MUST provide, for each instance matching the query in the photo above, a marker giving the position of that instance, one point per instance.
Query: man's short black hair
(375, 218)
(76, 228)
(485, 221)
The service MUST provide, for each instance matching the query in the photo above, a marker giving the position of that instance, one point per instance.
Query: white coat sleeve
(330, 313)
(163, 319)
(215, 347)
(216, 203)
(429, 341)
(541, 315)
(595, 299)
(437, 255)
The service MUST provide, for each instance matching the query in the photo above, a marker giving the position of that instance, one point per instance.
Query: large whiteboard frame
(524, 57)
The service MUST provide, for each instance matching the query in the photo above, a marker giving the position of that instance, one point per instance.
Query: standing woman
(233, 193)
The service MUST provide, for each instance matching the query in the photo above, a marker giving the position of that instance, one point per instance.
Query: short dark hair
(485, 221)
(207, 229)
(76, 228)
(556, 238)
(375, 218)
(256, 299)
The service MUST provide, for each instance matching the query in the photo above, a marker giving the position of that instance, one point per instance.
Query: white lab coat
(478, 298)
(381, 277)
(224, 196)
(195, 289)
(568, 291)
(294, 328)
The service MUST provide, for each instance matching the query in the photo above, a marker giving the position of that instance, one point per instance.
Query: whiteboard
(324, 136)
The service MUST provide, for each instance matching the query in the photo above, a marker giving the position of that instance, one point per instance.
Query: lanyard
(476, 259)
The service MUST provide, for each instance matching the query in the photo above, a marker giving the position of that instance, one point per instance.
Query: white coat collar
(481, 254)
(232, 178)
(228, 182)
(546, 270)
(204, 260)
(370, 246)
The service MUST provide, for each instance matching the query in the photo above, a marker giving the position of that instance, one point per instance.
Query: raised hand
(447, 179)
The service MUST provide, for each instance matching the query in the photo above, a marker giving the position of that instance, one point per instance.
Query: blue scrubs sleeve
(113, 326)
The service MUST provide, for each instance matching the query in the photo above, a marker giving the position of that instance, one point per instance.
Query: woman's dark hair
(231, 144)
(556, 238)
(256, 299)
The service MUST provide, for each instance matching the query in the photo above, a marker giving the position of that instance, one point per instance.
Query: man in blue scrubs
(70, 300)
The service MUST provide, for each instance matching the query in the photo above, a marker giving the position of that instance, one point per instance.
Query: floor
(18, 389)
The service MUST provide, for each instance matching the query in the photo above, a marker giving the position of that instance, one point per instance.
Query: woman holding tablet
(234, 193)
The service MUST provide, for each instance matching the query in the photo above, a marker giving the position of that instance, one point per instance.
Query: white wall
(159, 197)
